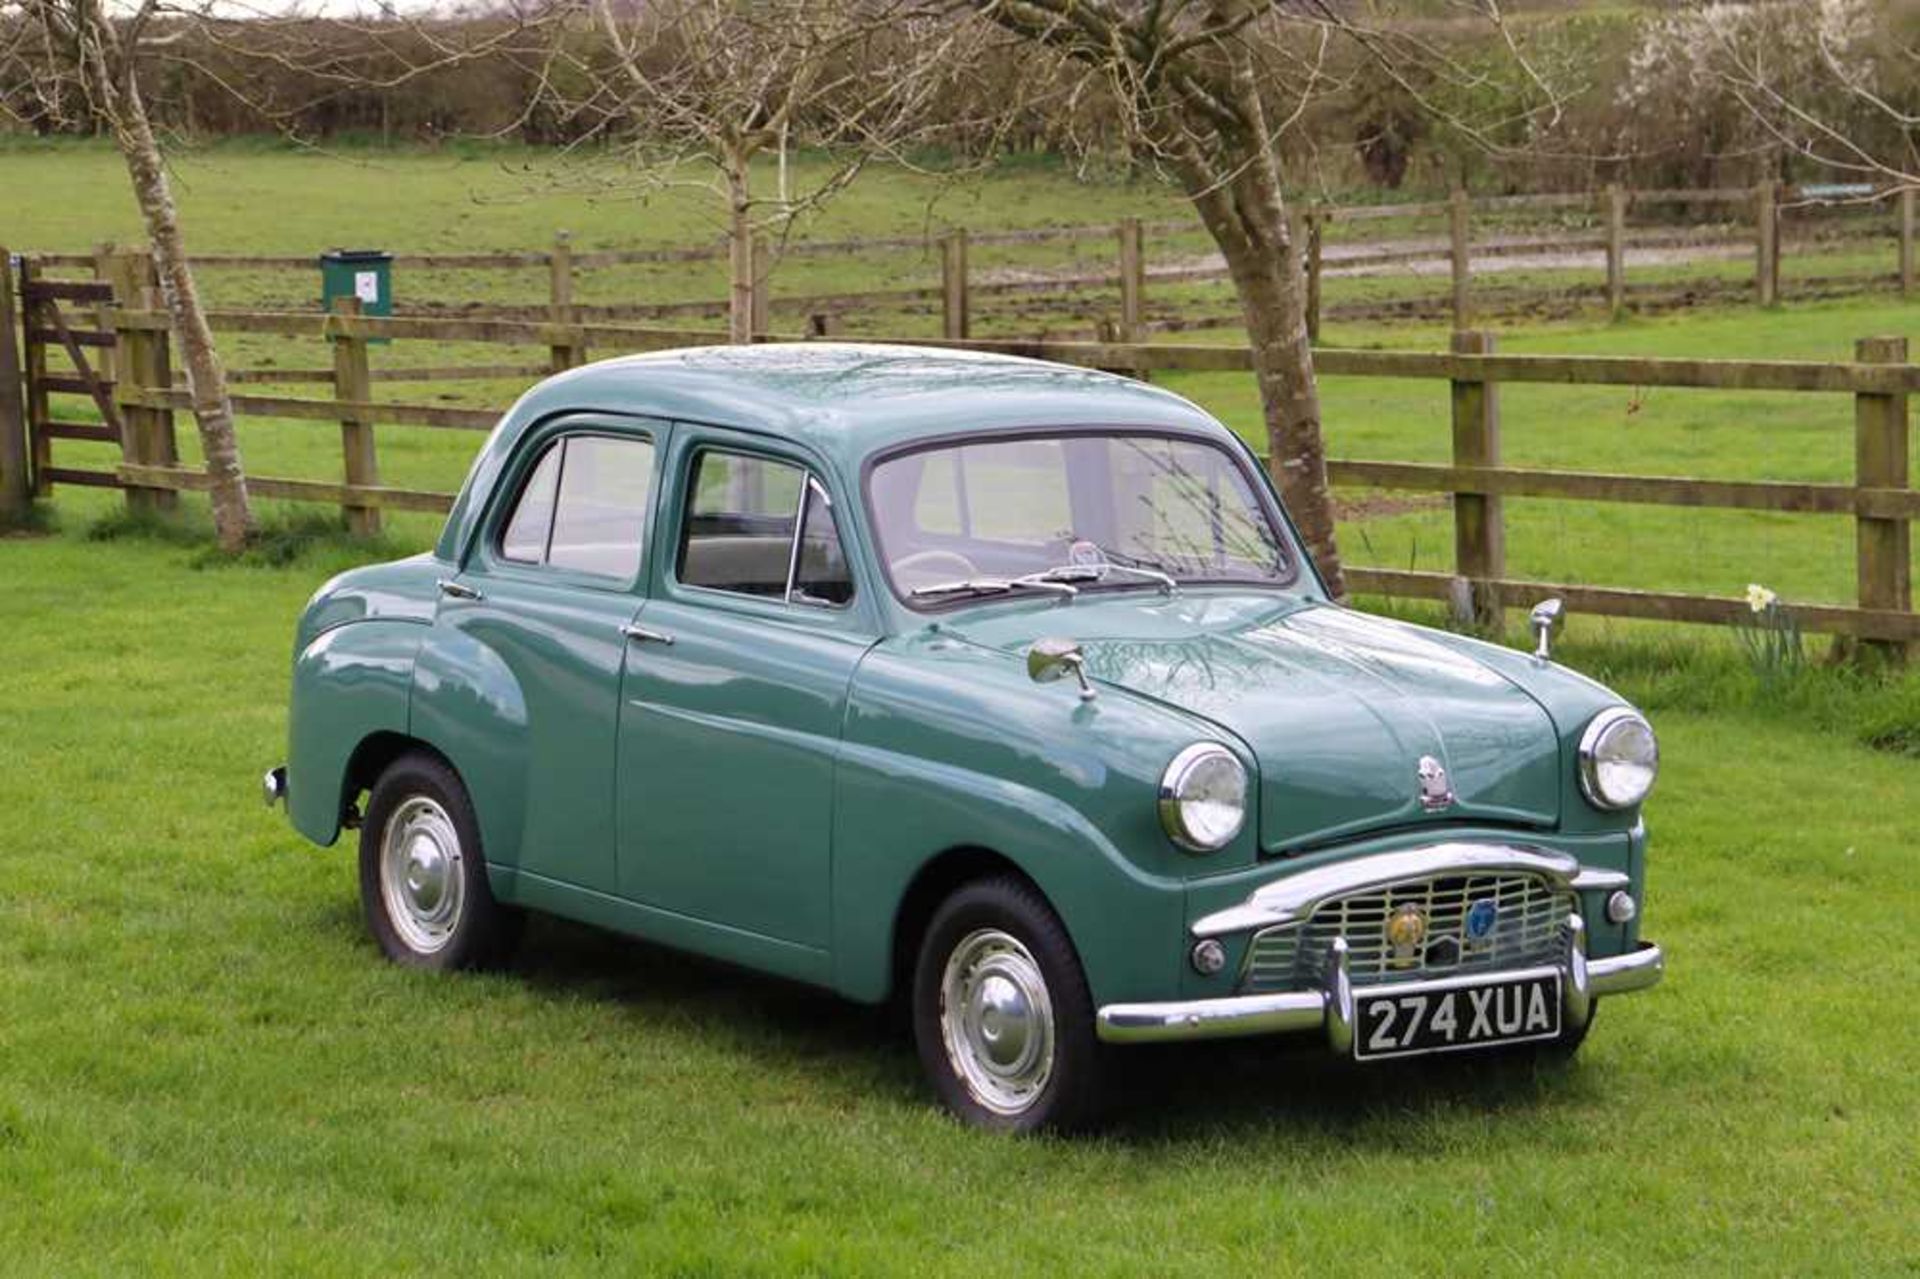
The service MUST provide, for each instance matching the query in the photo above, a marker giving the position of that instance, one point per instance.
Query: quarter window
(759, 527)
(584, 508)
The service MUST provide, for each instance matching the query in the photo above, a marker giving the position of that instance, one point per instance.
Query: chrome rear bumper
(1330, 1009)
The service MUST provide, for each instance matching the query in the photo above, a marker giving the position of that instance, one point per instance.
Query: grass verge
(205, 1065)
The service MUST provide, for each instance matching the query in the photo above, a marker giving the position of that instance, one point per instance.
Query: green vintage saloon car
(995, 686)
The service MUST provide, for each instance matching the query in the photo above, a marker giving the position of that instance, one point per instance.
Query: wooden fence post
(1316, 225)
(1457, 210)
(16, 483)
(353, 382)
(1880, 432)
(563, 354)
(1616, 249)
(1133, 280)
(1766, 241)
(1479, 528)
(1906, 242)
(142, 363)
(762, 289)
(38, 409)
(955, 306)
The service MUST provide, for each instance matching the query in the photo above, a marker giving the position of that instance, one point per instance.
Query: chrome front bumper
(1331, 1008)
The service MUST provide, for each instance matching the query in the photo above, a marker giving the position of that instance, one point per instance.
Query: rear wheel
(1002, 1016)
(423, 878)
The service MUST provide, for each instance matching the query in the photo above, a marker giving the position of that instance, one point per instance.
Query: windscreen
(1082, 507)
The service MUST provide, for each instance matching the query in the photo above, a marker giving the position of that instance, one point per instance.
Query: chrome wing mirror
(1055, 659)
(1546, 620)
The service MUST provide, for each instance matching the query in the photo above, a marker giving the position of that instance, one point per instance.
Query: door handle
(641, 635)
(455, 590)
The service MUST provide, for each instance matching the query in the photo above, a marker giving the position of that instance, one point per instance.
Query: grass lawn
(205, 1065)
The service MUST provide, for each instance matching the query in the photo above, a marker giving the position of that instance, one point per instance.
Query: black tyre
(423, 876)
(1002, 1015)
(1568, 1043)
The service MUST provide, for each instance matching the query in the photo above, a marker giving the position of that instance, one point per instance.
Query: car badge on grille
(1481, 918)
(1436, 792)
(1406, 929)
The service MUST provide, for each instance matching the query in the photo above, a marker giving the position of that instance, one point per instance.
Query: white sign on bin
(366, 286)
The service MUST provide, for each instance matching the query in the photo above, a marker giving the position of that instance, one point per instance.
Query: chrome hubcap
(420, 876)
(997, 1021)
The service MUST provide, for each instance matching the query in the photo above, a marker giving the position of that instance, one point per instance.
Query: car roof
(846, 400)
(859, 396)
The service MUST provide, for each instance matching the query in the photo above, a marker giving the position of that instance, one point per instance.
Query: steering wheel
(929, 568)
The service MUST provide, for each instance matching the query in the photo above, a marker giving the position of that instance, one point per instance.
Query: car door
(734, 698)
(555, 577)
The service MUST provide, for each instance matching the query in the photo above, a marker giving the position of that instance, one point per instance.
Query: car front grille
(1527, 915)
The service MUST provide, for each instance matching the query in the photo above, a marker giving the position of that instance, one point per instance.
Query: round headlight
(1619, 759)
(1203, 797)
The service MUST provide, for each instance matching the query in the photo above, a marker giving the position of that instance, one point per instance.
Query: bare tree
(92, 58)
(1206, 89)
(1186, 75)
(695, 92)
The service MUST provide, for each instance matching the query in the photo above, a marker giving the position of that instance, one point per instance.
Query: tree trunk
(740, 251)
(1235, 186)
(1271, 294)
(206, 380)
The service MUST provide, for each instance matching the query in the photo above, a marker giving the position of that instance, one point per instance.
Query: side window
(759, 527)
(739, 529)
(584, 507)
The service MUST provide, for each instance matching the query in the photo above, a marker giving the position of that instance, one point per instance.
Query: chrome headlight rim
(1174, 797)
(1598, 729)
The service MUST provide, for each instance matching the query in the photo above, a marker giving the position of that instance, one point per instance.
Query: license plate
(1437, 1018)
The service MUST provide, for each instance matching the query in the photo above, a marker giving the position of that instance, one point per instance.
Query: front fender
(894, 814)
(349, 683)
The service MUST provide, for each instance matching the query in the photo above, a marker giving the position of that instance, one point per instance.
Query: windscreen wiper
(1095, 572)
(995, 586)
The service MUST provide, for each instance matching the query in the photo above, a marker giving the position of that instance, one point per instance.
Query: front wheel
(1002, 1016)
(423, 879)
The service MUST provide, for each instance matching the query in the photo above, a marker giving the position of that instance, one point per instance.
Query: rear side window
(755, 526)
(584, 507)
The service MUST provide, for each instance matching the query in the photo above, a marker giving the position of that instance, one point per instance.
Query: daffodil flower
(1759, 598)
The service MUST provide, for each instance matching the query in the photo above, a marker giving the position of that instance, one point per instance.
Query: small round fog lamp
(1621, 907)
(1209, 957)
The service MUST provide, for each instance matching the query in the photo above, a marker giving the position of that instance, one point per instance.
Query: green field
(264, 200)
(204, 1065)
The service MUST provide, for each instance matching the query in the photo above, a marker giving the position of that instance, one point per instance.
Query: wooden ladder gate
(49, 325)
(45, 327)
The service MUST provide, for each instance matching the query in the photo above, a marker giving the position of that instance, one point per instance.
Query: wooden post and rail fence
(1118, 295)
(135, 399)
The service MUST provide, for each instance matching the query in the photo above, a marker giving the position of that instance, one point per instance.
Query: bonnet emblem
(1436, 792)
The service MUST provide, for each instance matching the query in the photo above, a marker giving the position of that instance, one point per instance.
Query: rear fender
(468, 706)
(351, 683)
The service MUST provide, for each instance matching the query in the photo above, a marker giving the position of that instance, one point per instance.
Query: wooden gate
(71, 349)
